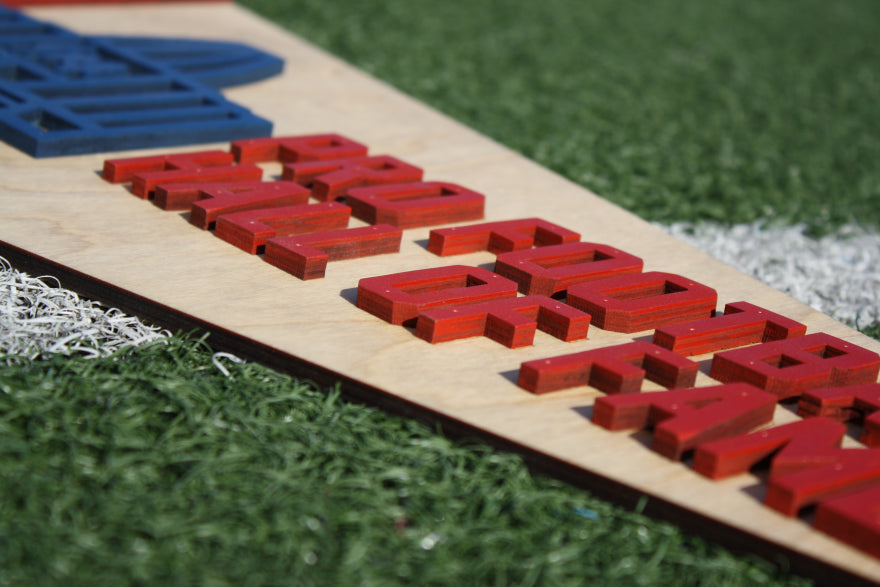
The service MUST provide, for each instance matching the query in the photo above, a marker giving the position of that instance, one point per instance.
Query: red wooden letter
(742, 323)
(853, 518)
(836, 472)
(297, 148)
(787, 368)
(249, 230)
(120, 170)
(683, 418)
(632, 303)
(400, 297)
(408, 205)
(552, 269)
(851, 403)
(215, 201)
(615, 369)
(798, 440)
(498, 237)
(510, 321)
(306, 256)
(146, 173)
(181, 196)
(331, 179)
(808, 467)
(144, 185)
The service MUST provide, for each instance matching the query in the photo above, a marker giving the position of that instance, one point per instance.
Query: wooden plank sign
(401, 248)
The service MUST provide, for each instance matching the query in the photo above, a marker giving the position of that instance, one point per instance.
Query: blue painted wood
(64, 94)
(218, 64)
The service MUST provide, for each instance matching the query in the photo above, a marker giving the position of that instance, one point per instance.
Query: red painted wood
(851, 403)
(839, 472)
(214, 202)
(632, 303)
(684, 418)
(181, 196)
(510, 321)
(800, 441)
(144, 185)
(853, 518)
(306, 256)
(124, 169)
(742, 323)
(807, 469)
(297, 148)
(145, 173)
(615, 369)
(409, 205)
(787, 368)
(552, 269)
(398, 298)
(249, 230)
(331, 179)
(498, 237)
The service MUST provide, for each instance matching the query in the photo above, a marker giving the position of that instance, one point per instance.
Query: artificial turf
(153, 466)
(729, 111)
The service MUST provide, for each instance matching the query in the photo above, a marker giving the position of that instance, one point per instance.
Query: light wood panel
(148, 259)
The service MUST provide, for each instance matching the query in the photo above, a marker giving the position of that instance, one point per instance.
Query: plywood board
(59, 214)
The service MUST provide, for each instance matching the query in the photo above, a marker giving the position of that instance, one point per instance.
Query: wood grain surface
(59, 214)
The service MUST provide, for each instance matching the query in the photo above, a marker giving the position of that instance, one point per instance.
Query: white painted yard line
(39, 318)
(838, 274)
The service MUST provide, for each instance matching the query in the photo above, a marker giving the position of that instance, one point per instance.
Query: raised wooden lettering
(614, 369)
(787, 368)
(331, 179)
(742, 323)
(400, 297)
(296, 148)
(409, 205)
(306, 256)
(510, 321)
(851, 403)
(552, 269)
(683, 418)
(632, 303)
(249, 230)
(498, 237)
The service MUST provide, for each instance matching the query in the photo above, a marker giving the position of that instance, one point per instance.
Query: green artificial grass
(153, 467)
(872, 330)
(728, 111)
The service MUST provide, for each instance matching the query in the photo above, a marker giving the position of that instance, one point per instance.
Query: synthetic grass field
(154, 465)
(677, 110)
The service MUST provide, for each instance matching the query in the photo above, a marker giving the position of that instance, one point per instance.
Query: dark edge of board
(223, 339)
